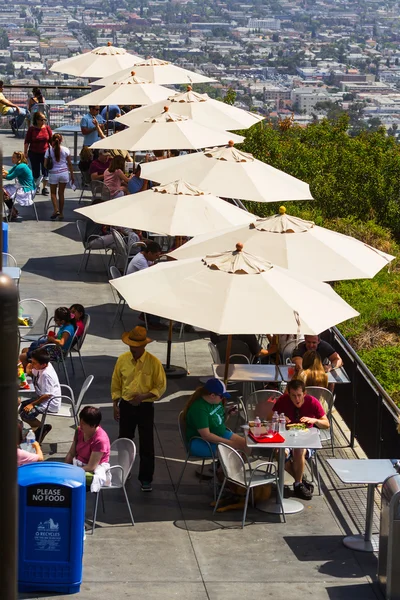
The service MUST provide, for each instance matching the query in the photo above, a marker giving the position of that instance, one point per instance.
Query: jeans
(141, 416)
(19, 116)
(37, 164)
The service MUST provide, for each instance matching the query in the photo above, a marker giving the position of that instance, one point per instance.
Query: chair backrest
(81, 226)
(121, 250)
(37, 311)
(257, 399)
(81, 339)
(232, 464)
(288, 350)
(238, 359)
(114, 272)
(123, 454)
(324, 395)
(66, 390)
(100, 192)
(86, 385)
(8, 260)
(182, 429)
(214, 353)
(237, 347)
(38, 182)
(85, 178)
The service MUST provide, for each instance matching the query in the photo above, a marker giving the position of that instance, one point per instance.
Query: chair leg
(103, 504)
(72, 363)
(36, 215)
(245, 507)
(83, 368)
(317, 473)
(129, 506)
(82, 260)
(181, 475)
(87, 258)
(219, 496)
(95, 511)
(214, 479)
(65, 371)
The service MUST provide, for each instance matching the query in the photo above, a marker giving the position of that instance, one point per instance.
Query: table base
(357, 542)
(272, 507)
(174, 372)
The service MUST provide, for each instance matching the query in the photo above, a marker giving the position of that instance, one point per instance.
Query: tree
(230, 97)
(349, 176)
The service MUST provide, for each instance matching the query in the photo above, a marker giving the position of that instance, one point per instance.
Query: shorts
(200, 447)
(32, 414)
(56, 178)
(309, 453)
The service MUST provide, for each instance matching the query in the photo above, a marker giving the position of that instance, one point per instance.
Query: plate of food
(297, 427)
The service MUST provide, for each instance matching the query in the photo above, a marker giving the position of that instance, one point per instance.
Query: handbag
(49, 162)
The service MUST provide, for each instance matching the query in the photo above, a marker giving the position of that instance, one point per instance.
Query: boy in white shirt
(48, 390)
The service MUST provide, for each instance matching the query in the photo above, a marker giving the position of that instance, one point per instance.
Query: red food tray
(264, 439)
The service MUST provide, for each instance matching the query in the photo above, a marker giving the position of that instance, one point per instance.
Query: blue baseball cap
(217, 387)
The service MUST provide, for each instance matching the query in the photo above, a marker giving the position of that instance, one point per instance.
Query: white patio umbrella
(166, 131)
(234, 293)
(177, 208)
(133, 90)
(100, 62)
(157, 71)
(295, 244)
(199, 107)
(230, 173)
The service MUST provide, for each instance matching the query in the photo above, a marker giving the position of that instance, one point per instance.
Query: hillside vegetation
(356, 185)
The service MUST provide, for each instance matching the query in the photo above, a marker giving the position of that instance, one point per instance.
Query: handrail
(366, 372)
(47, 87)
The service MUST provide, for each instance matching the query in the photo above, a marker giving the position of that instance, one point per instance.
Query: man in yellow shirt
(8, 108)
(137, 382)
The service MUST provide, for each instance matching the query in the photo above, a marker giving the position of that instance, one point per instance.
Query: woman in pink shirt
(115, 178)
(91, 445)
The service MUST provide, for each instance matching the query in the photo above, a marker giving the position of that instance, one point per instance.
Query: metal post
(228, 353)
(354, 398)
(8, 433)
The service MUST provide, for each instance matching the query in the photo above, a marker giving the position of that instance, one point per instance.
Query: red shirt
(99, 167)
(38, 138)
(311, 407)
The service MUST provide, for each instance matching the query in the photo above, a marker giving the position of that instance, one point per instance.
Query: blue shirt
(113, 111)
(69, 329)
(93, 136)
(136, 183)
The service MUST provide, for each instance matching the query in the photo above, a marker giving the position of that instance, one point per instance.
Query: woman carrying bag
(58, 163)
(37, 141)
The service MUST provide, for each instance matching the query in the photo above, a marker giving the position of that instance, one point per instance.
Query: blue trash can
(52, 498)
(5, 237)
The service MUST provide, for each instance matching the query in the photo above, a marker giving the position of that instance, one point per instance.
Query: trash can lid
(51, 472)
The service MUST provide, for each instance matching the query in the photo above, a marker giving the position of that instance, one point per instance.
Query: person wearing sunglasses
(299, 407)
(37, 141)
(92, 126)
(204, 415)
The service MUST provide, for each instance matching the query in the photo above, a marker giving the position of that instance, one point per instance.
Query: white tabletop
(13, 272)
(338, 375)
(293, 439)
(68, 129)
(248, 372)
(372, 471)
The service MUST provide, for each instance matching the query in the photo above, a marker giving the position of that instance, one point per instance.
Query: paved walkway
(177, 549)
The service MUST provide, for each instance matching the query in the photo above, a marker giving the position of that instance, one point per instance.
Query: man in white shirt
(144, 259)
(47, 389)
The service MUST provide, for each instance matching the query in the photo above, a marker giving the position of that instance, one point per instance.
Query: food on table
(297, 426)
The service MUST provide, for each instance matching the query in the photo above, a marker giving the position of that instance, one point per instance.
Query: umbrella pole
(172, 371)
(227, 355)
(107, 121)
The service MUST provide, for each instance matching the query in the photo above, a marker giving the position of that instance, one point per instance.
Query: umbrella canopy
(298, 245)
(100, 62)
(234, 293)
(201, 108)
(157, 71)
(174, 209)
(133, 90)
(230, 173)
(166, 131)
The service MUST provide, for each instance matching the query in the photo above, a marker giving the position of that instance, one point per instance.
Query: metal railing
(57, 96)
(368, 411)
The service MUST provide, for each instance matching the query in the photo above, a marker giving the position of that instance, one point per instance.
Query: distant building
(264, 24)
